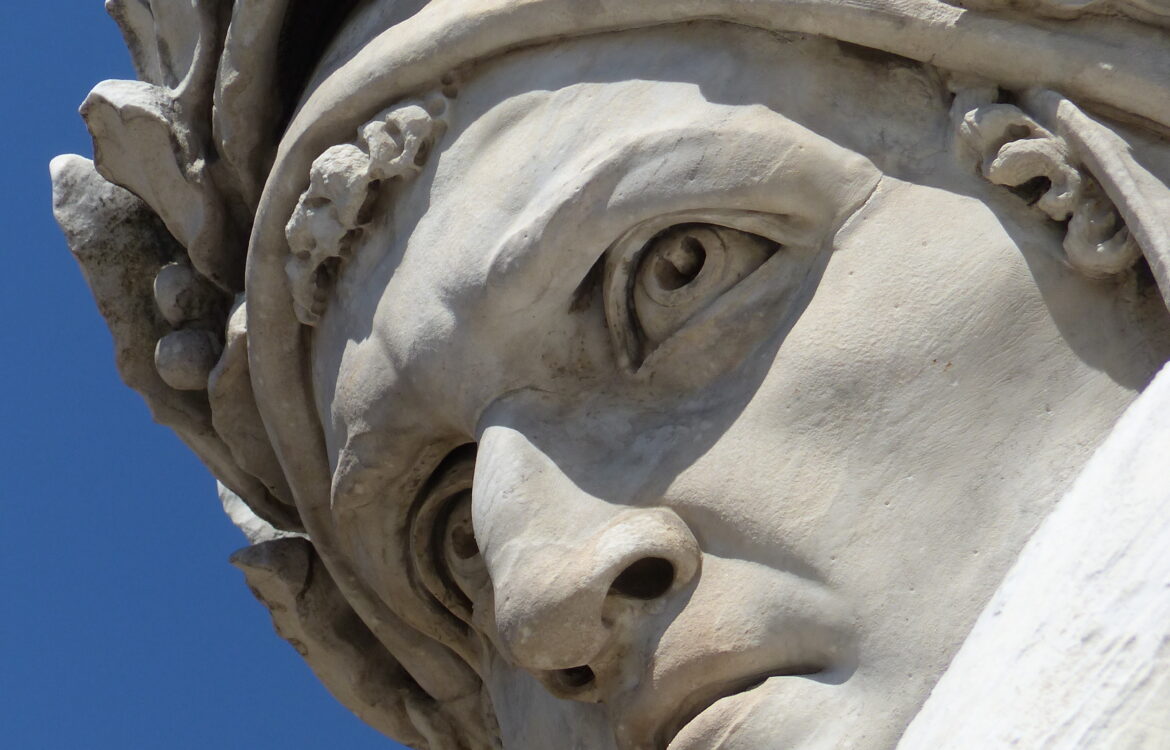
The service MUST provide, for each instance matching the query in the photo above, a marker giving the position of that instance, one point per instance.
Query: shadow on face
(720, 504)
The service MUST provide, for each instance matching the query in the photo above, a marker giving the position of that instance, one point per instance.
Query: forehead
(550, 154)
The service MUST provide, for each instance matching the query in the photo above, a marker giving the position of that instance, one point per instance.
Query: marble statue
(665, 373)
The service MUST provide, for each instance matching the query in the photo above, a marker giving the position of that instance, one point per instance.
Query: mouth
(707, 696)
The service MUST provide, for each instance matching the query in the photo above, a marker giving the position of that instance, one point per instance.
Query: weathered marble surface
(626, 375)
(1076, 642)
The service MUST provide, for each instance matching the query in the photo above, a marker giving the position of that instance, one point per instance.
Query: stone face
(631, 378)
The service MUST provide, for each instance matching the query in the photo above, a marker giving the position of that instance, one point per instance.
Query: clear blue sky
(122, 625)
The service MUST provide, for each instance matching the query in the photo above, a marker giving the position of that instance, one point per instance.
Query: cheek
(880, 391)
(915, 324)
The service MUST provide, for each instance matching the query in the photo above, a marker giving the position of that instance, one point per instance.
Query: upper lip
(726, 636)
(705, 697)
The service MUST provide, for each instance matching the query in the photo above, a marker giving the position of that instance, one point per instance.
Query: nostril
(574, 678)
(648, 578)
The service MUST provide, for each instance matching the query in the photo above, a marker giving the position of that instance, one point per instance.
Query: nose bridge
(554, 552)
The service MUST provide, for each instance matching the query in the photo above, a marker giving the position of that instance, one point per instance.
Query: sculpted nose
(569, 558)
(551, 614)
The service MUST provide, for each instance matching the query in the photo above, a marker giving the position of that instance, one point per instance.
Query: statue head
(659, 374)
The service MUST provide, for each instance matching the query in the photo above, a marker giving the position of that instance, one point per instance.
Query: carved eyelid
(623, 257)
(450, 480)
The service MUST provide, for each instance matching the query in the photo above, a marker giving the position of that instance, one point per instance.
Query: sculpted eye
(458, 549)
(660, 278)
(447, 562)
(685, 267)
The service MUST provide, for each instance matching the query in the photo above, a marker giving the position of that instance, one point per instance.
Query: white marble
(1074, 648)
(665, 373)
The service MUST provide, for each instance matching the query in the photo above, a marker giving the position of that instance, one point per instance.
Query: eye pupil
(463, 542)
(661, 281)
(679, 263)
